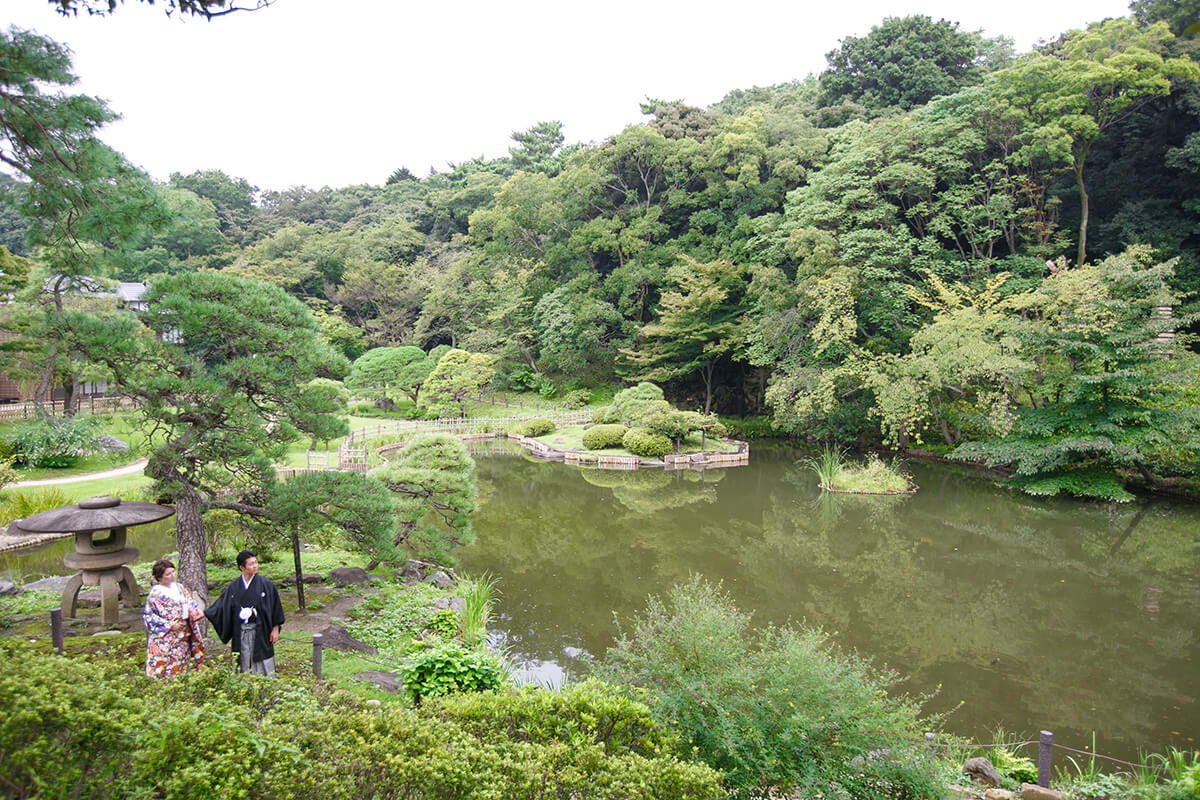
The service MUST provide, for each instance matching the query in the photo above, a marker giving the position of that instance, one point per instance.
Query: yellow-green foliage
(94, 727)
(873, 476)
(601, 437)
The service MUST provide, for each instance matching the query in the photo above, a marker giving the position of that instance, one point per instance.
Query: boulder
(384, 680)
(962, 792)
(413, 569)
(110, 444)
(338, 639)
(8, 587)
(453, 603)
(347, 576)
(980, 770)
(997, 794)
(54, 584)
(1031, 791)
(440, 579)
(312, 578)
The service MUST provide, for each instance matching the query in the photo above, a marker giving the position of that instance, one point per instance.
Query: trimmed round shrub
(600, 437)
(537, 427)
(646, 443)
(605, 415)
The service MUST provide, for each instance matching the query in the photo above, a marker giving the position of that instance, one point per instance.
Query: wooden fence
(458, 426)
(17, 412)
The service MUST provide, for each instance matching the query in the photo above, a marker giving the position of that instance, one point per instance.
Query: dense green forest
(935, 241)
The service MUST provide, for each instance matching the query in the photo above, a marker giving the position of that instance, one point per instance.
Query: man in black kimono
(247, 616)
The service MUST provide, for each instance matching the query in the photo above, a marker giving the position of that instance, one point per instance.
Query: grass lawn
(570, 437)
(123, 426)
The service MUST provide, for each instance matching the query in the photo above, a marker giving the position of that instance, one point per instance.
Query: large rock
(384, 680)
(440, 579)
(1031, 791)
(54, 584)
(347, 576)
(980, 770)
(997, 794)
(8, 587)
(338, 639)
(452, 603)
(111, 444)
(413, 569)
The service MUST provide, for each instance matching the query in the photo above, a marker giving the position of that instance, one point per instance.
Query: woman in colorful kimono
(173, 643)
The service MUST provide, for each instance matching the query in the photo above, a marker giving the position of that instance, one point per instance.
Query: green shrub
(539, 426)
(7, 450)
(54, 443)
(94, 727)
(451, 667)
(1018, 769)
(602, 437)
(445, 622)
(646, 443)
(578, 398)
(627, 402)
(778, 703)
(605, 415)
(746, 428)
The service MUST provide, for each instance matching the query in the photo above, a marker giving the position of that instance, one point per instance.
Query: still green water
(1027, 613)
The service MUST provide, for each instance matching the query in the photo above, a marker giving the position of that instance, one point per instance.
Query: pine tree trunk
(189, 538)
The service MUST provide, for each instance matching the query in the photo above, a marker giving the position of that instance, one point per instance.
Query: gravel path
(129, 469)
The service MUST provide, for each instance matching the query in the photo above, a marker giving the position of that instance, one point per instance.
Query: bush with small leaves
(539, 426)
(776, 704)
(601, 437)
(605, 415)
(54, 443)
(578, 398)
(646, 443)
(451, 667)
(445, 623)
(90, 726)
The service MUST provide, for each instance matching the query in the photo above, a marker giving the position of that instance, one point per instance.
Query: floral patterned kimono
(171, 652)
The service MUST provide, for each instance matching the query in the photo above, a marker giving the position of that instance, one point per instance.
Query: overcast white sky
(337, 92)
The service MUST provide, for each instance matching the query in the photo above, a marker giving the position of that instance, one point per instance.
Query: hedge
(601, 437)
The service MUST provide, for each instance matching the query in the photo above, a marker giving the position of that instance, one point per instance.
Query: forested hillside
(937, 239)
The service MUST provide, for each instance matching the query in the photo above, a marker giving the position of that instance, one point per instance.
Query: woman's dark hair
(160, 567)
(245, 554)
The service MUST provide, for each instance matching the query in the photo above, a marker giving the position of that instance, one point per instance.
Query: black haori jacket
(263, 598)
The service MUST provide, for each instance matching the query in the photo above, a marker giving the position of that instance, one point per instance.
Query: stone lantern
(101, 561)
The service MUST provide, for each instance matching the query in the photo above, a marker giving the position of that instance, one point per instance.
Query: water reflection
(153, 541)
(1030, 613)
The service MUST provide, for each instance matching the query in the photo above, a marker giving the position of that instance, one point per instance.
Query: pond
(1017, 612)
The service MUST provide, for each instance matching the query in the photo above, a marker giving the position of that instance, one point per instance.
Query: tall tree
(458, 376)
(215, 366)
(697, 325)
(905, 62)
(1114, 393)
(1071, 97)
